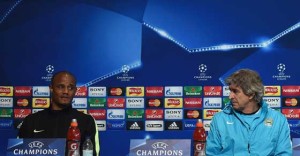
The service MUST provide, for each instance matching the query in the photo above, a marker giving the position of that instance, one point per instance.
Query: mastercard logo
(193, 114)
(22, 102)
(116, 91)
(291, 102)
(154, 102)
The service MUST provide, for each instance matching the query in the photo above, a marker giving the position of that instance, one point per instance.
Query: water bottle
(199, 138)
(73, 139)
(87, 147)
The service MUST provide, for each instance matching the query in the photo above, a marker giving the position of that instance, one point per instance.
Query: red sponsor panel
(116, 102)
(23, 91)
(21, 113)
(154, 114)
(212, 90)
(290, 90)
(291, 113)
(98, 114)
(192, 102)
(81, 91)
(154, 91)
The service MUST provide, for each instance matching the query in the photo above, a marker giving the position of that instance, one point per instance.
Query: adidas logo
(135, 125)
(173, 126)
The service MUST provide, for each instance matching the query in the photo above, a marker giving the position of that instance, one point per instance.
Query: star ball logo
(49, 69)
(202, 76)
(281, 76)
(125, 77)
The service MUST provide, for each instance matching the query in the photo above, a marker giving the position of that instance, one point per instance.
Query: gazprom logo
(41, 91)
(115, 114)
(173, 91)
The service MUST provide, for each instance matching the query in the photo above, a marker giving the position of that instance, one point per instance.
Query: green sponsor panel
(135, 114)
(97, 102)
(192, 90)
(6, 112)
(226, 101)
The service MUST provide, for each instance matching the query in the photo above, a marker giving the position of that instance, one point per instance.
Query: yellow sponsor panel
(40, 102)
(209, 113)
(272, 90)
(135, 91)
(6, 91)
(173, 103)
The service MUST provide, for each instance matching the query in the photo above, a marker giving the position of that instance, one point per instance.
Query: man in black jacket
(55, 121)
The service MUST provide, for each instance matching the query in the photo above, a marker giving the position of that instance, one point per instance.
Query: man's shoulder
(81, 114)
(37, 114)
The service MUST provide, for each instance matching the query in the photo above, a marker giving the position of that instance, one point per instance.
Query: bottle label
(199, 148)
(87, 152)
(73, 148)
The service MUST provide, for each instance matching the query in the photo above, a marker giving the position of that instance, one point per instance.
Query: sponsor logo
(6, 91)
(116, 124)
(209, 113)
(226, 91)
(173, 113)
(97, 102)
(206, 125)
(173, 91)
(226, 101)
(154, 102)
(6, 102)
(116, 91)
(79, 103)
(135, 103)
(291, 113)
(154, 125)
(154, 113)
(97, 91)
(6, 112)
(192, 102)
(271, 90)
(154, 91)
(135, 91)
(98, 114)
(189, 124)
(173, 103)
(274, 102)
(192, 114)
(115, 114)
(40, 91)
(212, 90)
(40, 102)
(135, 113)
(116, 102)
(173, 125)
(22, 91)
(290, 102)
(101, 124)
(36, 110)
(21, 113)
(125, 76)
(81, 91)
(290, 90)
(212, 102)
(6, 123)
(192, 90)
(22, 102)
(135, 125)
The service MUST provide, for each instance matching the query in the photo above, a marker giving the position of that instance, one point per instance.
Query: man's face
(63, 89)
(239, 100)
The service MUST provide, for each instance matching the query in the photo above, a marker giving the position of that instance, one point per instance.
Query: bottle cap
(74, 123)
(199, 123)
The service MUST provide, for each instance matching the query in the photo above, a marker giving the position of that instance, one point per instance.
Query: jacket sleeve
(284, 144)
(25, 130)
(213, 142)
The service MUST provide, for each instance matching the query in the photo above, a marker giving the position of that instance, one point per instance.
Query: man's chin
(63, 105)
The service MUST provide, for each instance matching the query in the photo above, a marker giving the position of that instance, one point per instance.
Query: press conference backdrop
(146, 69)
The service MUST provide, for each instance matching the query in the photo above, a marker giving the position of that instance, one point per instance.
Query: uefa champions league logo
(125, 77)
(202, 68)
(202, 77)
(49, 69)
(281, 68)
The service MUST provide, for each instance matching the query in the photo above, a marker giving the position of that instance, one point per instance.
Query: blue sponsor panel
(6, 123)
(294, 128)
(116, 124)
(189, 124)
(296, 146)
